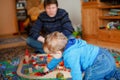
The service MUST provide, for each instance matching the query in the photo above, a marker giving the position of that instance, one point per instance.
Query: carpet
(15, 53)
(9, 57)
(8, 65)
(12, 52)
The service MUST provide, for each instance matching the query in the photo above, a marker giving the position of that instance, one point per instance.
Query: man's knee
(29, 41)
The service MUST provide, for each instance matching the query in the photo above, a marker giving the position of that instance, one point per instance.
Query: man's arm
(36, 28)
(67, 25)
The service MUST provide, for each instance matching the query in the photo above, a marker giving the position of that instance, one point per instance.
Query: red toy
(36, 66)
(27, 56)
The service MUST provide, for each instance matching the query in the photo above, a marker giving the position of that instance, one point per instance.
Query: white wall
(73, 7)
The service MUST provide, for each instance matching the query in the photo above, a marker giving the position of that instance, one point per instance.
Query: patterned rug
(13, 54)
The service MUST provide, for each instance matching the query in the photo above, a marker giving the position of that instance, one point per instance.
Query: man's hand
(41, 39)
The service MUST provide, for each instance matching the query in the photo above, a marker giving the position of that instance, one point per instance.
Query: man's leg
(35, 44)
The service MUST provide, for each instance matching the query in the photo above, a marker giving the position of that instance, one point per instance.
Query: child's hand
(46, 69)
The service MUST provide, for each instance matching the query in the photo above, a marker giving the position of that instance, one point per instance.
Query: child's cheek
(57, 56)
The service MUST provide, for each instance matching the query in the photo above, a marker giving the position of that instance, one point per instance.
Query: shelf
(20, 9)
(109, 35)
(107, 30)
(99, 14)
(89, 3)
(109, 7)
(109, 17)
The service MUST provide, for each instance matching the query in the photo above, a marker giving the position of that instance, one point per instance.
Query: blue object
(3, 67)
(35, 44)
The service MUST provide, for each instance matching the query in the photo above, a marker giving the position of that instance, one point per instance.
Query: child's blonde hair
(55, 41)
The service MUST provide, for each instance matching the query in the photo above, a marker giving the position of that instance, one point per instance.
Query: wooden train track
(49, 75)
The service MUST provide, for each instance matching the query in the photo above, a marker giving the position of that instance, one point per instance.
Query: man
(52, 19)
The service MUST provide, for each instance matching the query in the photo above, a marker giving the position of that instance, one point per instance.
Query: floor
(109, 45)
(24, 36)
(18, 50)
(13, 44)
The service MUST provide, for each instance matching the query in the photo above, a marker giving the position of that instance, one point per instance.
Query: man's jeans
(38, 46)
(103, 68)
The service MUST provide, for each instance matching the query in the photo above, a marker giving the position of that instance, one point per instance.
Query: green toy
(118, 27)
(60, 76)
(77, 33)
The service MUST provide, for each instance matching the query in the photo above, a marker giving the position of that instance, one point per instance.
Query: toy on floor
(59, 75)
(34, 70)
(117, 59)
(8, 70)
(27, 56)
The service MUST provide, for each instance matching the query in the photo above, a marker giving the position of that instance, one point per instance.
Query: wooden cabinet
(89, 20)
(8, 20)
(109, 35)
(95, 15)
(106, 17)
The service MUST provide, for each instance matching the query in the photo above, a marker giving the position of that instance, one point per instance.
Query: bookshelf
(21, 13)
(96, 14)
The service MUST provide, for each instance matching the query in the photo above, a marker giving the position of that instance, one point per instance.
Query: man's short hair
(48, 2)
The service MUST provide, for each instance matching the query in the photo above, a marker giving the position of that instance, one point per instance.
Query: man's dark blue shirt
(60, 22)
